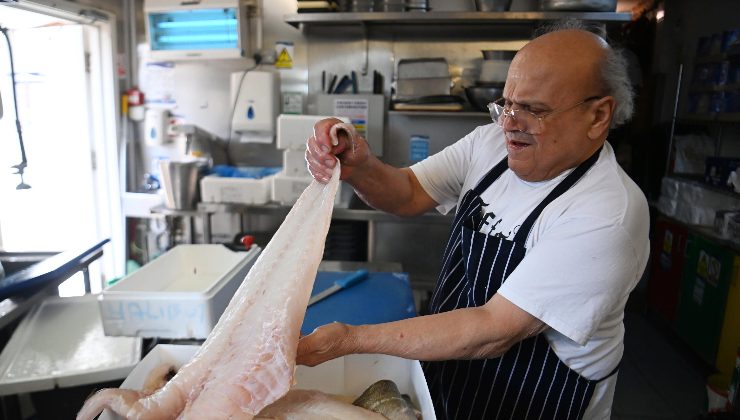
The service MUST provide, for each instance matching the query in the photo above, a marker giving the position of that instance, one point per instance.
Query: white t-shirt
(585, 253)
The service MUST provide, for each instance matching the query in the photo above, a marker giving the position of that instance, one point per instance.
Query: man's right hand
(351, 149)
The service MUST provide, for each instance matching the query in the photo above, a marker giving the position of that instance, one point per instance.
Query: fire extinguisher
(133, 104)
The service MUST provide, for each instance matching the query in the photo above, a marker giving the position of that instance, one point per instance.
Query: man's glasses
(529, 122)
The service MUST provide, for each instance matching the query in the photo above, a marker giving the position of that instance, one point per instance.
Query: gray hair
(614, 75)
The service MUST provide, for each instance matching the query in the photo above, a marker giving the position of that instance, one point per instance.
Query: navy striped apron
(529, 381)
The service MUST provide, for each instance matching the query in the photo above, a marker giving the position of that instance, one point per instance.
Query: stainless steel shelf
(468, 114)
(338, 213)
(370, 216)
(452, 18)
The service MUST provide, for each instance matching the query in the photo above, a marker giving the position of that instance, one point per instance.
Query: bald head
(570, 61)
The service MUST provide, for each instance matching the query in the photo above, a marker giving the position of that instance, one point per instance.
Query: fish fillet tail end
(118, 400)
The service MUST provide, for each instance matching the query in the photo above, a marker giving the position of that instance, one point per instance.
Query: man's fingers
(321, 135)
(317, 170)
(314, 147)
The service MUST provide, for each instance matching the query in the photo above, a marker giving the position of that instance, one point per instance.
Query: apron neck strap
(491, 176)
(563, 186)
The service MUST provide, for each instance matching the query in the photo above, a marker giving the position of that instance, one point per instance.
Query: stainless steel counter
(375, 266)
(206, 210)
(371, 216)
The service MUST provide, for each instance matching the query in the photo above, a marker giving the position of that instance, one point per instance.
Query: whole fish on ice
(248, 360)
(383, 397)
(299, 404)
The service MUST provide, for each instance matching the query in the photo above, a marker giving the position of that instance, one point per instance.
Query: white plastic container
(61, 344)
(286, 189)
(181, 294)
(294, 163)
(349, 375)
(294, 130)
(216, 189)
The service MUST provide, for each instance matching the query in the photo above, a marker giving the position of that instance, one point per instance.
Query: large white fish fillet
(300, 404)
(248, 360)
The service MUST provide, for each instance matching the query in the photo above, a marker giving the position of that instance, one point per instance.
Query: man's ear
(601, 117)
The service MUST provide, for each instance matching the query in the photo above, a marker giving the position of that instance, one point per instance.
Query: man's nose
(511, 123)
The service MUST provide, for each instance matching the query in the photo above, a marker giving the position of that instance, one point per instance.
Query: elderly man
(549, 238)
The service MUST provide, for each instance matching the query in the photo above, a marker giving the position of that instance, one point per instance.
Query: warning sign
(284, 53)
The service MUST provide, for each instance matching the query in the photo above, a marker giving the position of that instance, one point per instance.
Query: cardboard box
(181, 294)
(349, 375)
(216, 189)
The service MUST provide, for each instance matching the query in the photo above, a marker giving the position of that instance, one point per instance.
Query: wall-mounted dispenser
(256, 99)
(197, 29)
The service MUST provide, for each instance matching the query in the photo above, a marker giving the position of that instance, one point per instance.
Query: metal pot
(579, 5)
(481, 95)
(492, 5)
(498, 55)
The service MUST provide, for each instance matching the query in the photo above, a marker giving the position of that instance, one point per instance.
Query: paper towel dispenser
(197, 29)
(256, 98)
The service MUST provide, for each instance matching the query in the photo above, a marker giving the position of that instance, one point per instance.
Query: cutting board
(383, 297)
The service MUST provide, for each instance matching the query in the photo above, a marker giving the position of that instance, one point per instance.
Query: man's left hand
(324, 343)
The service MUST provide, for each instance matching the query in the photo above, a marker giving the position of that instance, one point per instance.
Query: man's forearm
(468, 333)
(384, 187)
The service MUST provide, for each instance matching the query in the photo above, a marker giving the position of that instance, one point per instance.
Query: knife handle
(352, 279)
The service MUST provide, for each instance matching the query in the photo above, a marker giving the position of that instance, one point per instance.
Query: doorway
(66, 105)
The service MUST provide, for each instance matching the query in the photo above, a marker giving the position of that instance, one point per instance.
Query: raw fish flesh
(383, 397)
(248, 360)
(299, 404)
(158, 377)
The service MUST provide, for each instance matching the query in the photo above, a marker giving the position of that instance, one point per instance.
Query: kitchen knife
(332, 81)
(353, 77)
(344, 83)
(343, 283)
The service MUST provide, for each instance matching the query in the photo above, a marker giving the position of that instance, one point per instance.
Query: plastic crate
(181, 294)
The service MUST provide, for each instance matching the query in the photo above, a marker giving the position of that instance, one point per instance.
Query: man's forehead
(543, 82)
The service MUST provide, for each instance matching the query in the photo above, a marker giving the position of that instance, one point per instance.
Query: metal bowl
(492, 5)
(498, 54)
(480, 96)
(579, 5)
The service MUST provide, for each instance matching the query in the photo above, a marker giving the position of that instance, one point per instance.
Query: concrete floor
(660, 378)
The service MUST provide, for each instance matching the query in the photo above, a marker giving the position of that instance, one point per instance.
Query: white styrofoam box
(286, 190)
(294, 130)
(294, 163)
(216, 189)
(60, 343)
(181, 294)
(348, 376)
